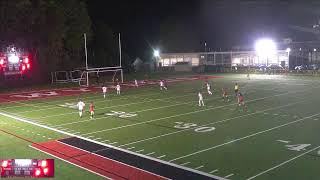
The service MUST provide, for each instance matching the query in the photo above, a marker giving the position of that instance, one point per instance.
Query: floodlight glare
(13, 59)
(288, 50)
(156, 53)
(265, 47)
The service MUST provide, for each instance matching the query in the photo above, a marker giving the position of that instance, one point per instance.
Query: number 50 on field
(202, 129)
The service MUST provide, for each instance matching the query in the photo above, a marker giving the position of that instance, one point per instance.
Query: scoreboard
(27, 168)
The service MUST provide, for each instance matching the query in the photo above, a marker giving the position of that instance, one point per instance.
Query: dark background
(223, 24)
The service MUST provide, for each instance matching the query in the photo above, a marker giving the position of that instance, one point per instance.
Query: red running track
(94, 163)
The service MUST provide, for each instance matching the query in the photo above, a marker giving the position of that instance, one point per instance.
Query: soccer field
(277, 137)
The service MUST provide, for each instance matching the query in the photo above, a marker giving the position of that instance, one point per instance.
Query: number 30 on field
(182, 125)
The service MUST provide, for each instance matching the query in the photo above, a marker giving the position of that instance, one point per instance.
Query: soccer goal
(99, 77)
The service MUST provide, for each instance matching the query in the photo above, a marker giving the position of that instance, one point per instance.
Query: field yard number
(182, 125)
(295, 147)
(69, 105)
(121, 114)
(298, 147)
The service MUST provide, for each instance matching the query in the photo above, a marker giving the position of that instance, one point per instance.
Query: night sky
(223, 24)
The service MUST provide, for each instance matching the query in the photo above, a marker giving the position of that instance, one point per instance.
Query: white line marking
(150, 153)
(283, 141)
(140, 151)
(177, 115)
(199, 167)
(183, 164)
(228, 175)
(217, 122)
(161, 156)
(216, 170)
(144, 110)
(114, 160)
(283, 163)
(109, 146)
(108, 107)
(54, 106)
(244, 137)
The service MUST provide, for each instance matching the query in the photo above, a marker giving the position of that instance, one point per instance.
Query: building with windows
(227, 59)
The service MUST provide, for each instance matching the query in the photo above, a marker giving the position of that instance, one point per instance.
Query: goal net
(101, 77)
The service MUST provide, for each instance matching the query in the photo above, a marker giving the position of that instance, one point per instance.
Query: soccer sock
(80, 113)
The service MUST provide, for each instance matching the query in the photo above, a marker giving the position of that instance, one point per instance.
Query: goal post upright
(117, 68)
(85, 49)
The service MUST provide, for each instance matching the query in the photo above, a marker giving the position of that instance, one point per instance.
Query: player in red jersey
(225, 95)
(91, 110)
(241, 101)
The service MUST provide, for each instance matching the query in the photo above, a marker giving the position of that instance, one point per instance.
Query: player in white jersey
(118, 88)
(136, 83)
(104, 91)
(162, 85)
(81, 106)
(209, 88)
(201, 103)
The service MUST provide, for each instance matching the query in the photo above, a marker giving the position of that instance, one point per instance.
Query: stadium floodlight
(156, 53)
(265, 47)
(314, 49)
(13, 59)
(288, 50)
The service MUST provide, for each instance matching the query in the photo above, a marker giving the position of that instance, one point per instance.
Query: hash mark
(161, 156)
(199, 167)
(150, 153)
(140, 150)
(228, 175)
(216, 170)
(185, 163)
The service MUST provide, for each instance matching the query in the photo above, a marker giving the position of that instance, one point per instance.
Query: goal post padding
(101, 77)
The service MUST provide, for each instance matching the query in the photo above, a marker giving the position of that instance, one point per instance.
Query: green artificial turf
(265, 141)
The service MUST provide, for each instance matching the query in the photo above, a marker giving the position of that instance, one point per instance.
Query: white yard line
(108, 107)
(283, 163)
(183, 114)
(91, 96)
(145, 110)
(216, 122)
(100, 100)
(109, 146)
(244, 137)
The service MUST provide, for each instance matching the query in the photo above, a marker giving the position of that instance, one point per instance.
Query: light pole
(156, 55)
(205, 51)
